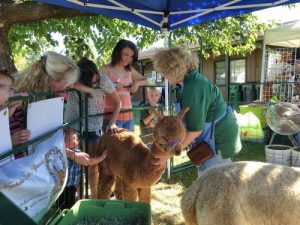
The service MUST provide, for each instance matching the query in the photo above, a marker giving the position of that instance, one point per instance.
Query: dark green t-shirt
(199, 93)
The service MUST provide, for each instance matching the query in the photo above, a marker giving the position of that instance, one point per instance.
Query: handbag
(200, 153)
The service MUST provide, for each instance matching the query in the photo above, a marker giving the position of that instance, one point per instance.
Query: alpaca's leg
(129, 193)
(118, 189)
(144, 195)
(105, 184)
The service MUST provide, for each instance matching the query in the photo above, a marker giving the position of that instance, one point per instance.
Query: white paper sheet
(5, 138)
(44, 116)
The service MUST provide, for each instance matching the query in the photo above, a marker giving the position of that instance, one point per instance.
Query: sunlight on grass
(165, 204)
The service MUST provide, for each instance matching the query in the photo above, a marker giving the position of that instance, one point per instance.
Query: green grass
(251, 151)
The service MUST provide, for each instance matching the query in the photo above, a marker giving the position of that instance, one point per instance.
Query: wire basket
(278, 154)
(296, 156)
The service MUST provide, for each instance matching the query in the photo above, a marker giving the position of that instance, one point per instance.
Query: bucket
(278, 154)
(296, 156)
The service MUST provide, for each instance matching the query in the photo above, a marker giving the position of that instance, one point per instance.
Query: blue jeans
(127, 124)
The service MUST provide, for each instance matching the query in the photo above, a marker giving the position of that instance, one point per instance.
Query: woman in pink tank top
(127, 81)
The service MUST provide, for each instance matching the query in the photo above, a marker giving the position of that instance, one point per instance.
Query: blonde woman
(205, 102)
(52, 72)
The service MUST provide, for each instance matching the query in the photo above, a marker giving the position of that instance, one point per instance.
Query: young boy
(76, 158)
(149, 118)
(19, 134)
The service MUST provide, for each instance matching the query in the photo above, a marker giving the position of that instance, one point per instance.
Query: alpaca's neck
(156, 154)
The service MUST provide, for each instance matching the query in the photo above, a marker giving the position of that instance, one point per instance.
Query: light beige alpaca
(128, 161)
(244, 193)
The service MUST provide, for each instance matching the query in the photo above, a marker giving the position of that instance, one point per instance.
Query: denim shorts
(92, 136)
(127, 124)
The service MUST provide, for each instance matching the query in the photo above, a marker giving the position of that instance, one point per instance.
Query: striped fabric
(124, 95)
(73, 172)
(17, 122)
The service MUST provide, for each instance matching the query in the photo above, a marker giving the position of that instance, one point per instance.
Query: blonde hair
(176, 62)
(157, 89)
(36, 78)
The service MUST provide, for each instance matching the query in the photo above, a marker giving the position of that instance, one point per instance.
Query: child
(19, 134)
(4, 89)
(75, 159)
(149, 118)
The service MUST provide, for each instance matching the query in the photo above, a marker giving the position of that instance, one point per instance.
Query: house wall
(253, 66)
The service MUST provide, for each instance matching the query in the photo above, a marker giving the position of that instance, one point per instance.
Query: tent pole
(262, 78)
(166, 44)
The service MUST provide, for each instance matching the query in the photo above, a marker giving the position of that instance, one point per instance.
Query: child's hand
(96, 160)
(152, 124)
(20, 137)
(154, 112)
(82, 158)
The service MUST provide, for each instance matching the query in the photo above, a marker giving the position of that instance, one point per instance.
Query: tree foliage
(232, 35)
(90, 36)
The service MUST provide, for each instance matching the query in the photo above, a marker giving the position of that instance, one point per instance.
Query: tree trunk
(6, 58)
(20, 12)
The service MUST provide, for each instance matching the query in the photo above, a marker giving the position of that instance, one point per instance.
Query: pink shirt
(123, 93)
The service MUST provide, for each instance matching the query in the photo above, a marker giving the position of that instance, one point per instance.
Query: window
(237, 71)
(220, 73)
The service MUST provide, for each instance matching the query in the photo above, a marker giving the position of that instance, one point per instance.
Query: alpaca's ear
(182, 112)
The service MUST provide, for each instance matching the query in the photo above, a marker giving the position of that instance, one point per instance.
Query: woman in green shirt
(205, 102)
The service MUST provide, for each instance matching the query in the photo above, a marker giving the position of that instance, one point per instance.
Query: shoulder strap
(214, 115)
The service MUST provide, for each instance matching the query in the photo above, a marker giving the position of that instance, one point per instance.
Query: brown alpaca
(244, 193)
(128, 162)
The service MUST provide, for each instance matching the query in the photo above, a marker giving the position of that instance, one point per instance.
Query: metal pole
(166, 44)
(200, 55)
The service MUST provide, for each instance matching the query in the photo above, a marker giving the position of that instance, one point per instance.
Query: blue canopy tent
(168, 14)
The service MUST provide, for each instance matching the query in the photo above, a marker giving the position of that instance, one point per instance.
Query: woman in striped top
(127, 81)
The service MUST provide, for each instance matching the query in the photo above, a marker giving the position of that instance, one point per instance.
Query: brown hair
(117, 53)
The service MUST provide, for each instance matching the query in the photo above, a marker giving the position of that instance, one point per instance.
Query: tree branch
(20, 12)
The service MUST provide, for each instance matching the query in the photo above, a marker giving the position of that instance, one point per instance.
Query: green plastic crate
(126, 211)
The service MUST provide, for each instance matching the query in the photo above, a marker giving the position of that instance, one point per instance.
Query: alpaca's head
(169, 132)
